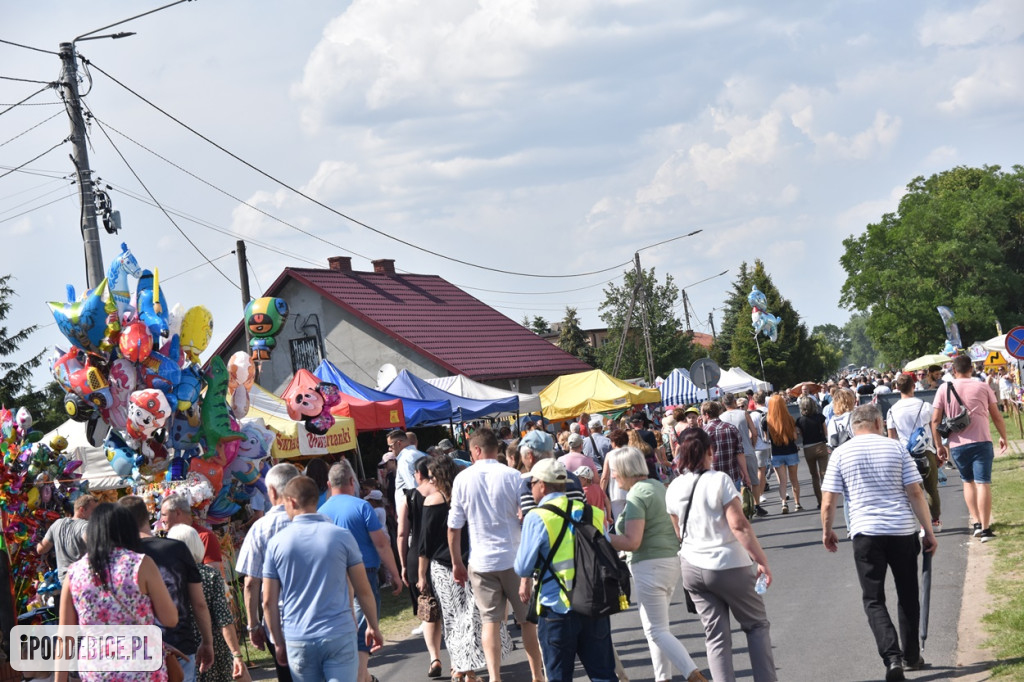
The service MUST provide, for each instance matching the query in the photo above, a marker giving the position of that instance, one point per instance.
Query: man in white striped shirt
(887, 510)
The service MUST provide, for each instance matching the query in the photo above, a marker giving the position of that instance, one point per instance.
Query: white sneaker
(418, 630)
(762, 500)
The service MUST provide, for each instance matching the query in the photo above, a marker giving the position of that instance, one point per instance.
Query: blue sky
(541, 138)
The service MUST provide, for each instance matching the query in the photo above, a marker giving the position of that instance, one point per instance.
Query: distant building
(422, 323)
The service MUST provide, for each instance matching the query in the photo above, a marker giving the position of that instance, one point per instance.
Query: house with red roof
(363, 321)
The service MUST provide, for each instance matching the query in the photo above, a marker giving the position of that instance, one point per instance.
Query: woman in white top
(717, 547)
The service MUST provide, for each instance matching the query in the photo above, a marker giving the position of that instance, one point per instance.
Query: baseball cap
(575, 440)
(636, 419)
(446, 445)
(692, 409)
(548, 470)
(388, 457)
(584, 472)
(596, 421)
(375, 495)
(538, 440)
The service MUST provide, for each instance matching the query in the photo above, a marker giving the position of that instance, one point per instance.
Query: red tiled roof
(703, 340)
(438, 320)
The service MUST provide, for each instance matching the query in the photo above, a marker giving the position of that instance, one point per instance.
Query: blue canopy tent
(678, 389)
(417, 412)
(407, 385)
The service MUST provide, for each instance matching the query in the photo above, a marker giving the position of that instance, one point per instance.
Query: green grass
(1005, 624)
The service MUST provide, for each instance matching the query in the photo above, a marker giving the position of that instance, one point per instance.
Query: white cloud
(997, 81)
(995, 21)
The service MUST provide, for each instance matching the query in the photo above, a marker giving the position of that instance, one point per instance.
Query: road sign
(705, 373)
(995, 359)
(1015, 342)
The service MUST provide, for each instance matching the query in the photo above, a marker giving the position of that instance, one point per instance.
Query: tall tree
(861, 351)
(957, 239)
(671, 345)
(572, 339)
(792, 358)
(538, 325)
(16, 388)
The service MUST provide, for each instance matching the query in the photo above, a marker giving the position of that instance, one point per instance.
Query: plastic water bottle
(761, 586)
(942, 477)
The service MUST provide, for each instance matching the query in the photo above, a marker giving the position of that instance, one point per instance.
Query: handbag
(175, 673)
(427, 607)
(690, 606)
(951, 425)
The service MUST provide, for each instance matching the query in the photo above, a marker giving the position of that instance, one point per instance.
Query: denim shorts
(785, 460)
(974, 461)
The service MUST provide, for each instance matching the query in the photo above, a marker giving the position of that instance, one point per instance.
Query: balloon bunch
(132, 371)
(762, 321)
(38, 484)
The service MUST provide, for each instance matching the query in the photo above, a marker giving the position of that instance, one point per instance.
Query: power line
(17, 168)
(55, 175)
(232, 196)
(375, 230)
(168, 215)
(26, 80)
(36, 208)
(35, 198)
(253, 271)
(28, 47)
(37, 92)
(125, 21)
(29, 189)
(48, 118)
(196, 267)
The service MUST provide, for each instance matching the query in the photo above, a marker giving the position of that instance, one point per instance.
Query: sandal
(435, 668)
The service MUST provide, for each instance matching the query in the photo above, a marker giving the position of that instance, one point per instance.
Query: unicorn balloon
(117, 278)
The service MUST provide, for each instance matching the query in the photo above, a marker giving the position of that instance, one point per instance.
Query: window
(305, 353)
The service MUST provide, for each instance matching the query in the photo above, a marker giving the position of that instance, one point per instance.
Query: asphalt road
(819, 630)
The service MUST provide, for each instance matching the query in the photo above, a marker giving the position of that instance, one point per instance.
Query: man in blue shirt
(309, 565)
(357, 517)
(563, 633)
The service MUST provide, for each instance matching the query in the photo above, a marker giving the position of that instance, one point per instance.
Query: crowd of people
(474, 536)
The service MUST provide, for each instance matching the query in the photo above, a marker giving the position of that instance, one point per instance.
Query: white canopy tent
(95, 467)
(462, 385)
(735, 380)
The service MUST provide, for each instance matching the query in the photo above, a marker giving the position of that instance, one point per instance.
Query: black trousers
(283, 674)
(873, 555)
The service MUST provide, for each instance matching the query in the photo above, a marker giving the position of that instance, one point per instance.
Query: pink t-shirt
(977, 396)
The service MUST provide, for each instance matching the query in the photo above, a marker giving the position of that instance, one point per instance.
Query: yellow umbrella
(926, 361)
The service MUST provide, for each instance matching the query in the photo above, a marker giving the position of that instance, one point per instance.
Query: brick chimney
(340, 263)
(384, 266)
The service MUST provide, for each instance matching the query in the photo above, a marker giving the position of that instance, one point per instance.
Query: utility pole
(243, 279)
(90, 230)
(639, 296)
(711, 321)
(686, 309)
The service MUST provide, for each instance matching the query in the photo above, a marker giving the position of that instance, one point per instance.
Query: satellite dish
(705, 373)
(385, 375)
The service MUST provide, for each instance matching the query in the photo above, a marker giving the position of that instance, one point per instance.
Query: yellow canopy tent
(594, 391)
(292, 439)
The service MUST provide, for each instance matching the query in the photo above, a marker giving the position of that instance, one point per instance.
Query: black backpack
(601, 586)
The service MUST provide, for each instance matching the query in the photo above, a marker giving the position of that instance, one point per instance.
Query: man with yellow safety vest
(563, 633)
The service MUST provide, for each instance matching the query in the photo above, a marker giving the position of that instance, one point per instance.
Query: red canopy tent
(368, 415)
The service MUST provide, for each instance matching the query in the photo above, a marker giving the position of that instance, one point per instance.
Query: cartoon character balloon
(123, 266)
(148, 411)
(152, 305)
(313, 406)
(264, 318)
(196, 330)
(241, 377)
(84, 322)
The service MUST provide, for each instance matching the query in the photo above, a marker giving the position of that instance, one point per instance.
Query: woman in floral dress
(113, 584)
(227, 655)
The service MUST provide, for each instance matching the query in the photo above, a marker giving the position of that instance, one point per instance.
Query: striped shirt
(872, 471)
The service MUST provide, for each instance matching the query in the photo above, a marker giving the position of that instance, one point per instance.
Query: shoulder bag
(690, 606)
(961, 421)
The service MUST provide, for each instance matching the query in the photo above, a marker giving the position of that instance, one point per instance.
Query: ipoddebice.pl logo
(89, 648)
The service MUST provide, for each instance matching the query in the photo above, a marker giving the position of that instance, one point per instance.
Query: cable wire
(26, 80)
(28, 47)
(253, 271)
(159, 205)
(355, 221)
(125, 21)
(53, 201)
(35, 198)
(195, 267)
(37, 92)
(232, 196)
(33, 127)
(17, 168)
(55, 175)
